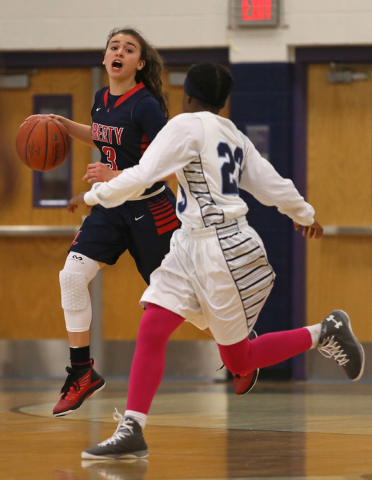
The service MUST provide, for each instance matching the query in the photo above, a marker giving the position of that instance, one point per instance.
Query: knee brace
(74, 290)
(74, 279)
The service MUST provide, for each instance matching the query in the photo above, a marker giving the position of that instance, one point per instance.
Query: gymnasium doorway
(339, 186)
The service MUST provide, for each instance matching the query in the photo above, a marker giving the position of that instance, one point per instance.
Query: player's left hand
(99, 172)
(75, 202)
(315, 230)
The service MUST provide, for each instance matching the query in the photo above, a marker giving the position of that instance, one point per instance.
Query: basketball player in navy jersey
(126, 117)
(216, 274)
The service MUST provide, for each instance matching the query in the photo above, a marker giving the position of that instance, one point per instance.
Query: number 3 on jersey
(111, 157)
(229, 183)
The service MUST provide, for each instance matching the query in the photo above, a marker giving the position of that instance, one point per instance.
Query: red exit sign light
(255, 13)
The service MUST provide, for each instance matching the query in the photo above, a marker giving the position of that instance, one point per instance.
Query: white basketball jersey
(208, 192)
(212, 160)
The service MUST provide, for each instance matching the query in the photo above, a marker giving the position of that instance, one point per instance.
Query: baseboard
(199, 360)
(186, 360)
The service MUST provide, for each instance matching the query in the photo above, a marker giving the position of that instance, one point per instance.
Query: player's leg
(146, 373)
(240, 292)
(170, 287)
(100, 241)
(333, 337)
(82, 380)
(243, 384)
(151, 222)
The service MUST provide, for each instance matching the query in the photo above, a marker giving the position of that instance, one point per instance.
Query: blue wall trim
(171, 57)
(263, 94)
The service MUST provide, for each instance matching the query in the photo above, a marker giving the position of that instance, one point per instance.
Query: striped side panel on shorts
(252, 274)
(164, 215)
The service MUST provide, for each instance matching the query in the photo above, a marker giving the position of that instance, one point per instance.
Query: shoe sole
(68, 412)
(103, 461)
(358, 344)
(89, 456)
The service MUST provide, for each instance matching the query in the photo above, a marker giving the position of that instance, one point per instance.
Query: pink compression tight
(266, 350)
(158, 324)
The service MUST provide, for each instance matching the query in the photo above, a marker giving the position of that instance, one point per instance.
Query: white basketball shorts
(216, 277)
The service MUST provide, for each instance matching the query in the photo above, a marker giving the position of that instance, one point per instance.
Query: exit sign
(255, 13)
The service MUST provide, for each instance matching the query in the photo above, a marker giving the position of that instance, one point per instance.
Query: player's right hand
(75, 202)
(100, 172)
(51, 115)
(315, 230)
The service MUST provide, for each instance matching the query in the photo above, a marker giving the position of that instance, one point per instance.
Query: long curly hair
(150, 74)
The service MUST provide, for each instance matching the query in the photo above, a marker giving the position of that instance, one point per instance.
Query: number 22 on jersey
(229, 180)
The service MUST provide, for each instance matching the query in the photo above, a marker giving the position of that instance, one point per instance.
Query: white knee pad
(74, 290)
(74, 280)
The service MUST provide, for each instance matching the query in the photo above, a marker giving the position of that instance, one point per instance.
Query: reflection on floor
(195, 431)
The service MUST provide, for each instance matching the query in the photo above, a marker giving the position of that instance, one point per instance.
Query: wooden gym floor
(195, 431)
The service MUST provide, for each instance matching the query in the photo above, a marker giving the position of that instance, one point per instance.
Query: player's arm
(174, 147)
(150, 118)
(261, 180)
(75, 130)
(101, 172)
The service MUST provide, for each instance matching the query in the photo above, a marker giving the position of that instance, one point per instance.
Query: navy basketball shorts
(143, 227)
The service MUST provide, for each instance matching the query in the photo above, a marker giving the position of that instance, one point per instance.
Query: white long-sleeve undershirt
(181, 142)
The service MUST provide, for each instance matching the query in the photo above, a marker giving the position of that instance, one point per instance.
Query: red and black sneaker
(244, 383)
(79, 385)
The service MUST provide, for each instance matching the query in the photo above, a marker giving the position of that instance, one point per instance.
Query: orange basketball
(43, 143)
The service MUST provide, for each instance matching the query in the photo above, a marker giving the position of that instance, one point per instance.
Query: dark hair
(213, 81)
(150, 74)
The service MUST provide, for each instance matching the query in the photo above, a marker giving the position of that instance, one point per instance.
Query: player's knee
(77, 262)
(74, 290)
(74, 279)
(75, 301)
(237, 357)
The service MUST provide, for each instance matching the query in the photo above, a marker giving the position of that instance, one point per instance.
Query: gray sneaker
(127, 442)
(338, 341)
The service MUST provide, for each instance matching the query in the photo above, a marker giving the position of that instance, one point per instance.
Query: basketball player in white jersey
(216, 275)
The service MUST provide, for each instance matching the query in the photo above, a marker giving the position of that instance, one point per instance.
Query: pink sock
(147, 369)
(244, 357)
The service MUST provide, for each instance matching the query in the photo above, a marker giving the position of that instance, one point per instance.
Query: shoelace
(71, 382)
(123, 429)
(329, 348)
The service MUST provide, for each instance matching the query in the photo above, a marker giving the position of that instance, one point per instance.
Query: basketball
(43, 143)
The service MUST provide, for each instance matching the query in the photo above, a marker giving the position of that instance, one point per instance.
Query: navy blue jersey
(123, 126)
